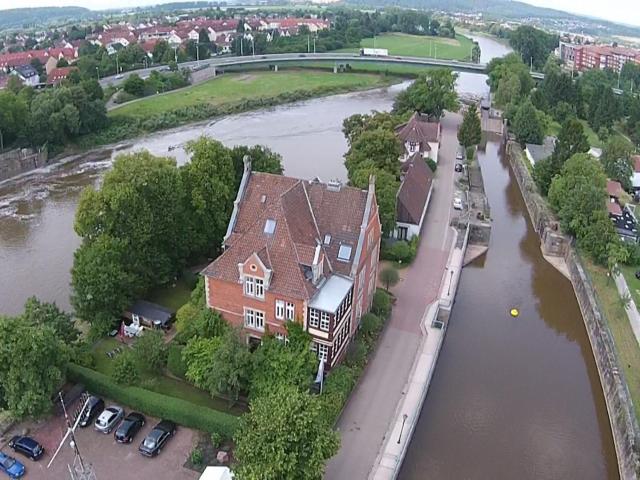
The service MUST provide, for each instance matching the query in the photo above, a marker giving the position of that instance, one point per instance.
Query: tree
(125, 369)
(197, 356)
(387, 186)
(389, 276)
(285, 436)
(526, 124)
(283, 363)
(43, 314)
(616, 160)
(263, 159)
(209, 180)
(358, 123)
(503, 67)
(150, 351)
(470, 130)
(431, 95)
(102, 286)
(13, 117)
(508, 90)
(475, 53)
(571, 140)
(578, 192)
(32, 366)
(134, 85)
(379, 148)
(230, 366)
(533, 45)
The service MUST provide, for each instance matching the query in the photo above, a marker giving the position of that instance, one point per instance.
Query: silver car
(109, 419)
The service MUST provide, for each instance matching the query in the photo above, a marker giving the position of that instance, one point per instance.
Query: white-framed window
(321, 350)
(280, 309)
(325, 320)
(254, 287)
(314, 318)
(290, 311)
(282, 337)
(254, 319)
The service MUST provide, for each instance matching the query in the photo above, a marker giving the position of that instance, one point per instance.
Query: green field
(236, 87)
(420, 46)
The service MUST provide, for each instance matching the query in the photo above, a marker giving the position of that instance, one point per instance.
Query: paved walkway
(373, 403)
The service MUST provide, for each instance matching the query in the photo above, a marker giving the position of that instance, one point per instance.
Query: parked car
(129, 427)
(27, 446)
(109, 419)
(93, 409)
(460, 154)
(458, 167)
(156, 439)
(10, 466)
(457, 203)
(119, 77)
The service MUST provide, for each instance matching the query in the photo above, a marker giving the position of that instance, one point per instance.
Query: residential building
(419, 135)
(623, 217)
(635, 177)
(59, 74)
(586, 57)
(27, 74)
(536, 152)
(301, 251)
(413, 197)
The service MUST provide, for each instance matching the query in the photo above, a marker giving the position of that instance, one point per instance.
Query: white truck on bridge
(374, 52)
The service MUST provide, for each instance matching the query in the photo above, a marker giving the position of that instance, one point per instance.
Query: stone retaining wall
(15, 162)
(624, 425)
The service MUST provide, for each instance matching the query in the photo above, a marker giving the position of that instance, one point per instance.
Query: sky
(623, 11)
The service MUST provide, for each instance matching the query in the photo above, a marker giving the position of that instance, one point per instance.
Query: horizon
(624, 12)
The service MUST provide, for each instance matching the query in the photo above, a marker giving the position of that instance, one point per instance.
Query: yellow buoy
(514, 312)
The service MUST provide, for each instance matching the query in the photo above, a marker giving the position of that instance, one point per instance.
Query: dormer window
(254, 287)
(344, 253)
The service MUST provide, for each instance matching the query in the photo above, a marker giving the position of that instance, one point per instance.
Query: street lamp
(404, 419)
(98, 72)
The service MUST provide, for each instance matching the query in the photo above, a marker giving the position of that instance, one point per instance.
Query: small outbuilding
(149, 314)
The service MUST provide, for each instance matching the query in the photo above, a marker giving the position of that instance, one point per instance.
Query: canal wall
(622, 419)
(18, 161)
(433, 326)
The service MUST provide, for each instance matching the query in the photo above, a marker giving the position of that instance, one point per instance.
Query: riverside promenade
(373, 404)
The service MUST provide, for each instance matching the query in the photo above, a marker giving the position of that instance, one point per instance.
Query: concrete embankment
(558, 248)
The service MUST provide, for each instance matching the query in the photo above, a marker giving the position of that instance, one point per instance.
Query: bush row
(341, 380)
(155, 404)
(400, 251)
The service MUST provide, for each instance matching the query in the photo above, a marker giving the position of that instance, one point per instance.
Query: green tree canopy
(430, 95)
(533, 45)
(387, 186)
(616, 160)
(285, 436)
(380, 148)
(230, 369)
(526, 124)
(470, 130)
(43, 314)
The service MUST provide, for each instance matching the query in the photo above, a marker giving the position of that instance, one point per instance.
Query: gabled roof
(285, 220)
(414, 190)
(419, 130)
(614, 208)
(26, 71)
(614, 189)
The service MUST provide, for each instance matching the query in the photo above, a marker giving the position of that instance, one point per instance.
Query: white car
(457, 203)
(119, 77)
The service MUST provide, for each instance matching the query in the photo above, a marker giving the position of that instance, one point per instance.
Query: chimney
(246, 160)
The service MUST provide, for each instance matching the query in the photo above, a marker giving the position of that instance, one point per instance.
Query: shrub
(370, 326)
(470, 152)
(389, 276)
(123, 97)
(150, 351)
(381, 303)
(401, 252)
(432, 164)
(196, 456)
(125, 369)
(175, 363)
(155, 404)
(357, 353)
(216, 440)
(337, 387)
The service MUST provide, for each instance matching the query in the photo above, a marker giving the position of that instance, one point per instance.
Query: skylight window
(327, 239)
(344, 253)
(270, 226)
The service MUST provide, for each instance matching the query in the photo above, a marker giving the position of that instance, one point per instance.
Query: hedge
(175, 363)
(155, 404)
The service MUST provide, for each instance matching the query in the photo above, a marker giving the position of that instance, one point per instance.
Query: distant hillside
(32, 17)
(506, 9)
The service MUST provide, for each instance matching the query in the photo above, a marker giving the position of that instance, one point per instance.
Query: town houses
(579, 58)
(297, 250)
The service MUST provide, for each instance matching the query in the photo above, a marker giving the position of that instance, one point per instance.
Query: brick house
(297, 250)
(419, 135)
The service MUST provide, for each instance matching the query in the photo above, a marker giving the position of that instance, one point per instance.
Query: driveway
(109, 459)
(371, 407)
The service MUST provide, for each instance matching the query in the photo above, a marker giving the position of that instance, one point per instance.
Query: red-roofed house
(419, 135)
(59, 74)
(413, 197)
(297, 251)
(614, 189)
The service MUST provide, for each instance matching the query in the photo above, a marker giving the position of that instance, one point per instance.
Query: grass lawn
(420, 46)
(592, 136)
(626, 344)
(173, 297)
(632, 282)
(242, 86)
(165, 385)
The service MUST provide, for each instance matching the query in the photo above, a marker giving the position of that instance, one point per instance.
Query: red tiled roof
(614, 208)
(614, 189)
(419, 130)
(303, 213)
(636, 163)
(414, 190)
(58, 74)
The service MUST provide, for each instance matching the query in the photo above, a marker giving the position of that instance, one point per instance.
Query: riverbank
(597, 321)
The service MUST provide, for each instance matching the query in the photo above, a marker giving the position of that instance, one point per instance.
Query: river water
(511, 398)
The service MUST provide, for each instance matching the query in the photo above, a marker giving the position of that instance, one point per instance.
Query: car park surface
(106, 455)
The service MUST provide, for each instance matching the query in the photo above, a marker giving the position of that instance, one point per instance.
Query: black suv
(155, 440)
(27, 446)
(91, 411)
(129, 427)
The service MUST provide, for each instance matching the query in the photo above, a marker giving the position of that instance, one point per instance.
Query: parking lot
(110, 460)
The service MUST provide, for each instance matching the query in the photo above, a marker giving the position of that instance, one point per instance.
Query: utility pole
(308, 45)
(80, 470)
(117, 65)
(198, 53)
(314, 44)
(253, 47)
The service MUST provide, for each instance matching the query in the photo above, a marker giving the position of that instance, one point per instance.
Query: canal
(511, 398)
